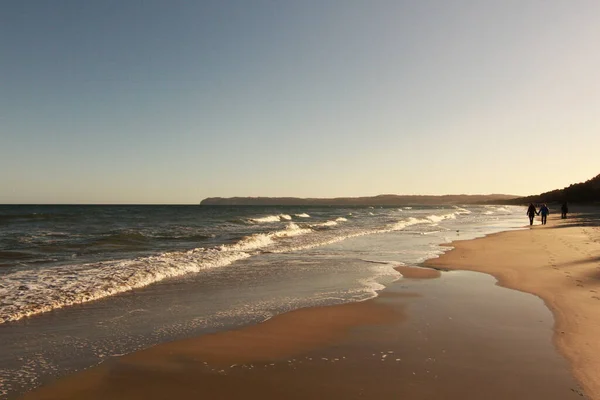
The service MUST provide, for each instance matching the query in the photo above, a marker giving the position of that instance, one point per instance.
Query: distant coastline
(381, 200)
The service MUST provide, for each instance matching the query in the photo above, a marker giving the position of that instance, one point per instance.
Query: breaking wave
(28, 292)
(271, 218)
(437, 218)
(303, 215)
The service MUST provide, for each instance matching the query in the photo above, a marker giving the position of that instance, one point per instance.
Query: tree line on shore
(584, 192)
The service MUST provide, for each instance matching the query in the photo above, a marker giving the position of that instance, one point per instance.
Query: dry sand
(432, 335)
(560, 263)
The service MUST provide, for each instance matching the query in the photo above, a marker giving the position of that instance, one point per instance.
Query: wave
(31, 292)
(271, 218)
(439, 218)
(251, 242)
(34, 291)
(264, 240)
(398, 226)
(496, 210)
(430, 233)
(341, 236)
(373, 285)
(292, 230)
(460, 210)
(239, 221)
(329, 224)
(303, 215)
(326, 224)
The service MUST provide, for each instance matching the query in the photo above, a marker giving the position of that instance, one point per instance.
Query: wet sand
(452, 335)
(560, 263)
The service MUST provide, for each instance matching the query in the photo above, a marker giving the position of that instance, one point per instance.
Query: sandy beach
(434, 334)
(560, 263)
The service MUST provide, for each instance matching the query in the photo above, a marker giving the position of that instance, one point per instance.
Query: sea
(80, 284)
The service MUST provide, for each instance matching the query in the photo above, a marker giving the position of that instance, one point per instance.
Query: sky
(170, 102)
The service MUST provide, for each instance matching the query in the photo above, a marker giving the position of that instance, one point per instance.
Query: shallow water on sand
(461, 337)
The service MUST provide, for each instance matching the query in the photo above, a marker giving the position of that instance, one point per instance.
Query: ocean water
(80, 284)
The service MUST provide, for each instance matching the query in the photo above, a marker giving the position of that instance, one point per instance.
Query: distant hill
(584, 192)
(381, 200)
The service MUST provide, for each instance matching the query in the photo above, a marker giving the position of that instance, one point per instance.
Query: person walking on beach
(564, 209)
(544, 213)
(531, 212)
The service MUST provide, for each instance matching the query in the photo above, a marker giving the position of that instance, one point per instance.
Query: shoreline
(305, 329)
(543, 264)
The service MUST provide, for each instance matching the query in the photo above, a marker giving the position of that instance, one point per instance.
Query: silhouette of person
(531, 212)
(564, 209)
(544, 213)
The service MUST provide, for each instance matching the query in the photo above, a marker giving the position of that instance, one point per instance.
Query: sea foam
(32, 291)
(271, 218)
(302, 215)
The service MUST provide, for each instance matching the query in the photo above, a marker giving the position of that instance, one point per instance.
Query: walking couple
(531, 212)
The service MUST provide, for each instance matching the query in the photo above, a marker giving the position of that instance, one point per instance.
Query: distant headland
(381, 200)
(584, 192)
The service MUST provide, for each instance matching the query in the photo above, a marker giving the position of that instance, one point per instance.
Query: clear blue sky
(172, 101)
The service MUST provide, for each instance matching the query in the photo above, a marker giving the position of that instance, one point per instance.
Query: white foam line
(32, 292)
(35, 291)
